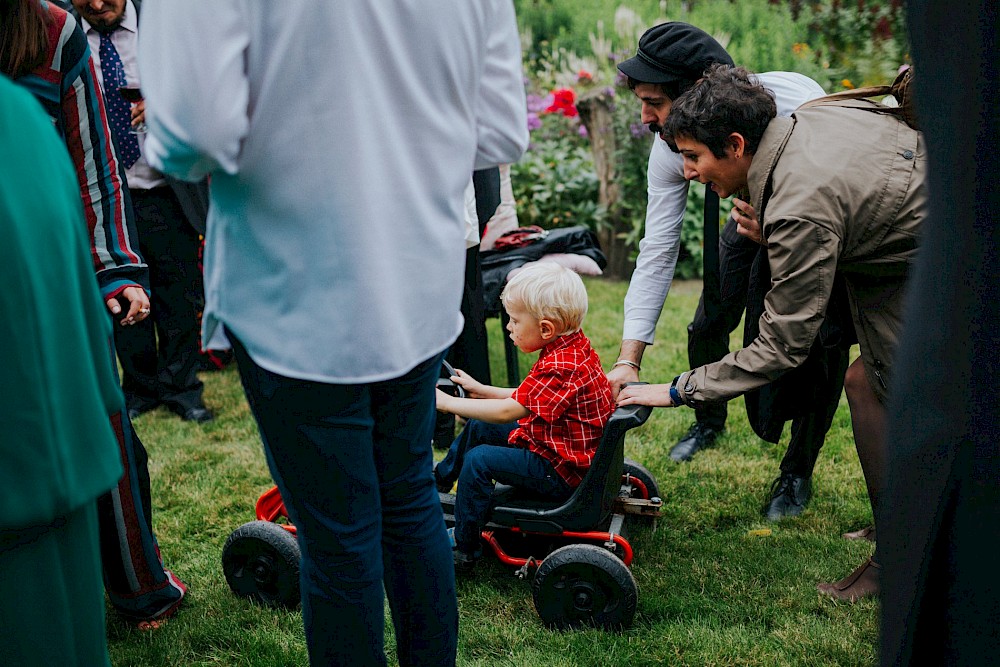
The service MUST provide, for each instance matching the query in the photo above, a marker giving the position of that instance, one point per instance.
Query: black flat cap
(673, 51)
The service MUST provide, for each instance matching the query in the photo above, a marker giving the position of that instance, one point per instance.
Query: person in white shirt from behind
(340, 137)
(670, 58)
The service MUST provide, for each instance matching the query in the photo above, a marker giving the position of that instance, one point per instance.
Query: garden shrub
(554, 183)
(859, 43)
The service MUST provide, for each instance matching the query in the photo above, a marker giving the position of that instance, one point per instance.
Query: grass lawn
(711, 591)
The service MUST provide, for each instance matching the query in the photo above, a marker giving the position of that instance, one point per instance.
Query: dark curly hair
(725, 100)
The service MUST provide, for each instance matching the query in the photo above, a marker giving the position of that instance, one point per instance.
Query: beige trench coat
(838, 188)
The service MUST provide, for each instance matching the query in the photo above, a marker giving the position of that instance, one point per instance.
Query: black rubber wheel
(636, 470)
(261, 562)
(583, 584)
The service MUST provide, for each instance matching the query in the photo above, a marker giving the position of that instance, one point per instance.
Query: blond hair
(548, 291)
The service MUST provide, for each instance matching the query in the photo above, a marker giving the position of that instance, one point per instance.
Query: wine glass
(133, 95)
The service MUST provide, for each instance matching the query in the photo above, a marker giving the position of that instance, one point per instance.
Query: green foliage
(544, 21)
(567, 24)
(634, 142)
(593, 71)
(554, 183)
(757, 34)
(860, 43)
(692, 252)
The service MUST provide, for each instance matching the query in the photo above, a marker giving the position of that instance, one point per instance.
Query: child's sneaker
(464, 563)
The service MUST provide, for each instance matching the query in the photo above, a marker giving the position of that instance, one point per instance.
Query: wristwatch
(675, 395)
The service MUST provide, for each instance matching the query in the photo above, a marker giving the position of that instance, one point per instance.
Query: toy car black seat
(591, 502)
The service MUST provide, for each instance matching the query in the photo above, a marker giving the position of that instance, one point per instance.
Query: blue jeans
(482, 454)
(353, 464)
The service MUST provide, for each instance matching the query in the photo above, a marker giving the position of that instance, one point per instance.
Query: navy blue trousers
(353, 465)
(480, 456)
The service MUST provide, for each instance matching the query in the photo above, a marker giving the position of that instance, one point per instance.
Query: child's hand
(442, 400)
(473, 387)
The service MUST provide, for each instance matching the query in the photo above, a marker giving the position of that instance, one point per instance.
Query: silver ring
(144, 310)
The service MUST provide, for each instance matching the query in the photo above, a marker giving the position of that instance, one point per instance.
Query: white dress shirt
(667, 192)
(339, 138)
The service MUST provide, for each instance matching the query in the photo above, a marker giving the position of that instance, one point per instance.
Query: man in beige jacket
(838, 188)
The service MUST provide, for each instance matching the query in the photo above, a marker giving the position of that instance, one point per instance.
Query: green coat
(57, 449)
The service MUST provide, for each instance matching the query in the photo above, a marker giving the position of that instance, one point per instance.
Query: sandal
(157, 622)
(867, 533)
(863, 582)
(152, 624)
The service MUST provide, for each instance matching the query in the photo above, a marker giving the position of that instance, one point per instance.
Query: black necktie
(711, 281)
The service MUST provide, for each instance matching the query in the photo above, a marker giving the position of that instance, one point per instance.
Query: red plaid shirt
(570, 401)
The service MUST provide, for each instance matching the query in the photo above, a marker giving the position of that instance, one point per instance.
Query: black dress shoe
(199, 415)
(789, 495)
(699, 436)
(139, 406)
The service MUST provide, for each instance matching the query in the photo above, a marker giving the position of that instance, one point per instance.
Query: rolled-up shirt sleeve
(802, 255)
(197, 94)
(501, 110)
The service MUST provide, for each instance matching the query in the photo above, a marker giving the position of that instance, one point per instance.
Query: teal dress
(57, 449)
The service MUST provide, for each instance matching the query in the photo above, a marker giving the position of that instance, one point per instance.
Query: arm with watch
(655, 395)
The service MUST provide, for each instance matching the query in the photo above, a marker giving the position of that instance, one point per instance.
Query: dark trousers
(809, 431)
(708, 342)
(160, 356)
(470, 351)
(353, 465)
(481, 455)
(138, 585)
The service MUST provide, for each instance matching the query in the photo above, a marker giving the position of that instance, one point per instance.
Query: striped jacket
(67, 87)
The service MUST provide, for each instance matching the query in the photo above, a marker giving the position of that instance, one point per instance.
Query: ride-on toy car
(577, 548)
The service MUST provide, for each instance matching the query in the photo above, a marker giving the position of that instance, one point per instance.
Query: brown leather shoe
(863, 534)
(863, 582)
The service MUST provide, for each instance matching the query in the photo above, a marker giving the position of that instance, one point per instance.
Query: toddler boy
(541, 436)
